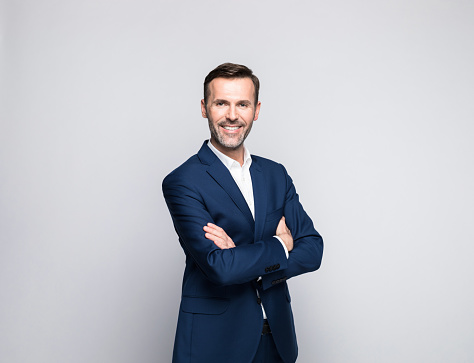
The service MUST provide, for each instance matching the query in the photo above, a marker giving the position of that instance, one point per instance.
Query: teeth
(231, 128)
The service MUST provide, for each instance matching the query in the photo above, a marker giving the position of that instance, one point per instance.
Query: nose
(231, 113)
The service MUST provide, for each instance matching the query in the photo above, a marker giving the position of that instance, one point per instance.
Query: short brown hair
(231, 70)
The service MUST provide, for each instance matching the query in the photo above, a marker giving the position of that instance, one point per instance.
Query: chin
(231, 144)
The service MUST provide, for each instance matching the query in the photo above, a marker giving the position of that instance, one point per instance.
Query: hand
(217, 235)
(284, 233)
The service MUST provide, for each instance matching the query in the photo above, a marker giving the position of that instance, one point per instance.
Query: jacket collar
(205, 155)
(218, 171)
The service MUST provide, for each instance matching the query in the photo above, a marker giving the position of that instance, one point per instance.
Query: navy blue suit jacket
(219, 319)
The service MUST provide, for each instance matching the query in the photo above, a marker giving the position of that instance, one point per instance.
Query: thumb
(281, 226)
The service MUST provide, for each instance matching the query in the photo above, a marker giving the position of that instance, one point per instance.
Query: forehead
(232, 88)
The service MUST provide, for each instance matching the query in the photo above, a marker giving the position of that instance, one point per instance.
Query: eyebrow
(225, 101)
(220, 101)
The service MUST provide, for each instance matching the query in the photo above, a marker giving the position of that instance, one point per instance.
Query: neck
(236, 154)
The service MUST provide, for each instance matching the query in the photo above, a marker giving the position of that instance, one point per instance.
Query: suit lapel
(260, 198)
(222, 176)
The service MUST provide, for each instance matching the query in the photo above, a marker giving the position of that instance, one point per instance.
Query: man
(244, 233)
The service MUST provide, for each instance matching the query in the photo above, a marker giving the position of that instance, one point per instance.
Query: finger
(285, 226)
(215, 231)
(281, 226)
(218, 236)
(211, 236)
(208, 229)
(283, 223)
(212, 225)
(217, 240)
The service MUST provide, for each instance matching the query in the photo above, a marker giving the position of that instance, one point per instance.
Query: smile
(231, 128)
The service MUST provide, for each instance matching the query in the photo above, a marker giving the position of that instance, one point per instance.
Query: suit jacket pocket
(204, 305)
(276, 214)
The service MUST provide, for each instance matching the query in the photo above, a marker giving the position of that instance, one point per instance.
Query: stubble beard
(232, 143)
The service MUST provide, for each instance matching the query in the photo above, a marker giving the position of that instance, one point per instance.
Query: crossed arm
(223, 264)
(220, 238)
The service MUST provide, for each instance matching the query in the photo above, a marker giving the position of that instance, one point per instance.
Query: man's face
(231, 111)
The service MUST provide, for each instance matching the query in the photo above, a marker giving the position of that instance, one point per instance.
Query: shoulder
(194, 166)
(264, 161)
(272, 170)
(267, 164)
(189, 169)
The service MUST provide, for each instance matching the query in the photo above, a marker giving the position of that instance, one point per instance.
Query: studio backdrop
(368, 104)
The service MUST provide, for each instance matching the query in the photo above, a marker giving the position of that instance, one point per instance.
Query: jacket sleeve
(237, 265)
(307, 250)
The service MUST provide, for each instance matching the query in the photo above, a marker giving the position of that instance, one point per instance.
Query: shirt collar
(229, 162)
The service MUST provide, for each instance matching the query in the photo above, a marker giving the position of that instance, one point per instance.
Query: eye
(243, 105)
(219, 103)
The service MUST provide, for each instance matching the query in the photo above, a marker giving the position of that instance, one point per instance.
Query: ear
(203, 109)
(257, 111)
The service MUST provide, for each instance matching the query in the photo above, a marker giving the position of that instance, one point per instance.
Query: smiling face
(230, 110)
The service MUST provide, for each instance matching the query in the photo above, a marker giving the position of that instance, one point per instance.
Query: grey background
(369, 104)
